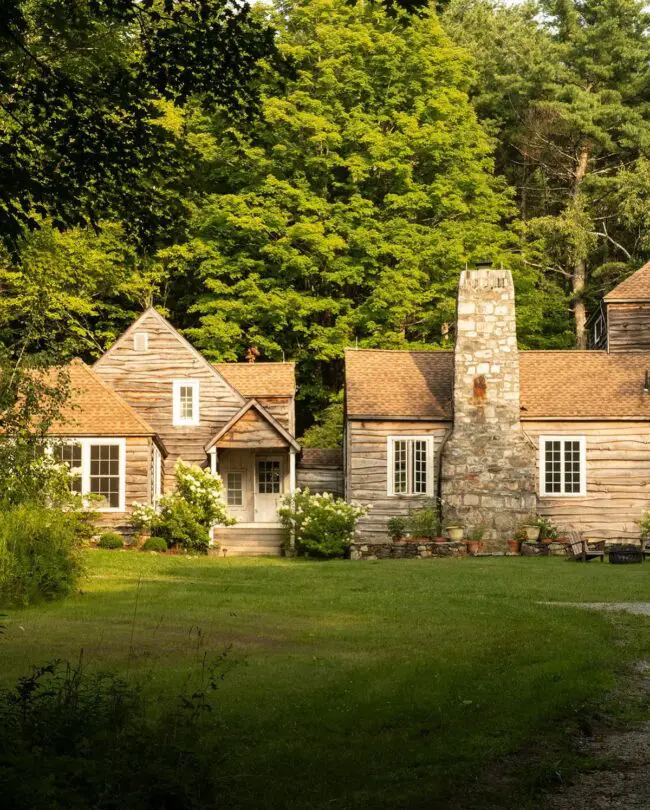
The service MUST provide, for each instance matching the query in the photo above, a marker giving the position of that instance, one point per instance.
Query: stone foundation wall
(488, 464)
(384, 551)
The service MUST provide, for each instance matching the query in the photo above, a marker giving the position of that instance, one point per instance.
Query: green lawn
(392, 684)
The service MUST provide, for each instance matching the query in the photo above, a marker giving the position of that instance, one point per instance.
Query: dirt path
(622, 782)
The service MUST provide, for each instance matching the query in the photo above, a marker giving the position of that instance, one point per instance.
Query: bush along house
(152, 399)
(501, 434)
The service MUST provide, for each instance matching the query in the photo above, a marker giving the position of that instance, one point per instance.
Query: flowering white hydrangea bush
(323, 526)
(184, 517)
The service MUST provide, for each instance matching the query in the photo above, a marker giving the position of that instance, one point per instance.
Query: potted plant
(547, 530)
(532, 529)
(455, 533)
(397, 527)
(474, 539)
(514, 546)
(424, 524)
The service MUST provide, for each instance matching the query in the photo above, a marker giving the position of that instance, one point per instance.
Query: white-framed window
(562, 466)
(156, 474)
(410, 465)
(599, 327)
(141, 342)
(99, 468)
(235, 488)
(186, 402)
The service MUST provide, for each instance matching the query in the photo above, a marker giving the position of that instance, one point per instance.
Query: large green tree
(565, 85)
(346, 211)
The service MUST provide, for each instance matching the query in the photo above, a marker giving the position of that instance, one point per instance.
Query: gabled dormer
(623, 322)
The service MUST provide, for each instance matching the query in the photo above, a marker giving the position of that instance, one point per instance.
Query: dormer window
(141, 342)
(186, 402)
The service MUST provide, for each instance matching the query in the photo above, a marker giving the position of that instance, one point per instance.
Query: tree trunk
(579, 272)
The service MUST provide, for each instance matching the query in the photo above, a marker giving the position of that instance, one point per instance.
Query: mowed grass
(392, 684)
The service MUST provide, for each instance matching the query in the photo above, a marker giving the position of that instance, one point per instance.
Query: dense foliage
(73, 740)
(184, 518)
(40, 552)
(320, 525)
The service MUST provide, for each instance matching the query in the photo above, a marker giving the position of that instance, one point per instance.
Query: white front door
(268, 488)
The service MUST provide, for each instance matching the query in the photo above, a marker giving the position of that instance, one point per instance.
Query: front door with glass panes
(268, 488)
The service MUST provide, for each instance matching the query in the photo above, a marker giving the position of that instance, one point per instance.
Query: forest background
(309, 176)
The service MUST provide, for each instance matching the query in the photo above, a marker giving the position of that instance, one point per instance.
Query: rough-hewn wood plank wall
(138, 482)
(252, 431)
(282, 409)
(321, 479)
(618, 478)
(367, 450)
(145, 380)
(628, 327)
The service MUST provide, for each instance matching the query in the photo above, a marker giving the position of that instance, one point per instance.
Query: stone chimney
(488, 464)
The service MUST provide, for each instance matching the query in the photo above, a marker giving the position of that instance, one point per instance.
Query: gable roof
(153, 312)
(253, 404)
(260, 379)
(554, 385)
(95, 409)
(399, 383)
(635, 287)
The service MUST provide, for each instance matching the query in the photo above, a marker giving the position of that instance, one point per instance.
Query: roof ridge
(355, 350)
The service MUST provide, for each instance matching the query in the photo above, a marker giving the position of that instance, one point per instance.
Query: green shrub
(75, 741)
(397, 526)
(155, 544)
(111, 540)
(184, 518)
(40, 552)
(425, 521)
(323, 526)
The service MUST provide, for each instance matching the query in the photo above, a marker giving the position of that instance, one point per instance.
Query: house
(238, 419)
(113, 452)
(500, 433)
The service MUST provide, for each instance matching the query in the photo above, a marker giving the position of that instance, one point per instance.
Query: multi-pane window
(268, 477)
(104, 475)
(562, 465)
(70, 454)
(410, 465)
(186, 402)
(235, 488)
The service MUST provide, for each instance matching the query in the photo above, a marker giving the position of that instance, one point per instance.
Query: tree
(565, 85)
(83, 85)
(346, 211)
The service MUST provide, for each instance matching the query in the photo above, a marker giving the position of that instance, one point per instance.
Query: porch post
(213, 461)
(292, 489)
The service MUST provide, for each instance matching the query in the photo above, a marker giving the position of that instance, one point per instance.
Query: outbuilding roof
(260, 379)
(553, 384)
(635, 287)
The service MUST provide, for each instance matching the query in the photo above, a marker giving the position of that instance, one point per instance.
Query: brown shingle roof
(635, 288)
(586, 384)
(260, 379)
(95, 409)
(398, 383)
(554, 384)
(321, 457)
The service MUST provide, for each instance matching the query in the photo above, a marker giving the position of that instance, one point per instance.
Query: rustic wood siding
(145, 380)
(321, 479)
(367, 460)
(138, 483)
(252, 431)
(282, 409)
(628, 327)
(618, 478)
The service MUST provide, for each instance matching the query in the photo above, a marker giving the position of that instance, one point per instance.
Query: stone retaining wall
(385, 551)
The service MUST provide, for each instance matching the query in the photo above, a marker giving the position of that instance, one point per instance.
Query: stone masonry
(488, 464)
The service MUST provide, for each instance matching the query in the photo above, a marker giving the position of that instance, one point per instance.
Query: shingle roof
(260, 379)
(95, 409)
(635, 288)
(554, 384)
(321, 457)
(398, 383)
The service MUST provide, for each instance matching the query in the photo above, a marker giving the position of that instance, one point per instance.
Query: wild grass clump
(40, 552)
(76, 741)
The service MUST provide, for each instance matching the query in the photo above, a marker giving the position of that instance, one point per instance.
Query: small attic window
(141, 341)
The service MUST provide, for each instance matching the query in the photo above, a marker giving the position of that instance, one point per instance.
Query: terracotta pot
(455, 533)
(532, 533)
(439, 539)
(514, 546)
(473, 546)
(397, 538)
(418, 540)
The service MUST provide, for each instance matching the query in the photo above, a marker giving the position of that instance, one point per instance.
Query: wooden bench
(581, 550)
